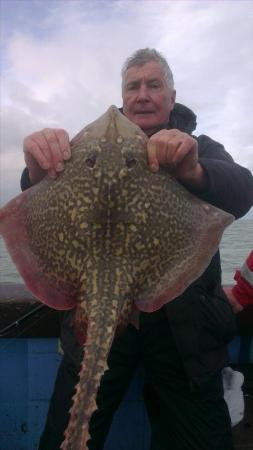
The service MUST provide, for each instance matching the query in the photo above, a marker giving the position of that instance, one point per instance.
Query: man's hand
(179, 152)
(45, 152)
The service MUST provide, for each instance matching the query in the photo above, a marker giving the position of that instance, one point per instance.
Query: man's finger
(152, 156)
(55, 150)
(185, 155)
(33, 149)
(52, 173)
(63, 140)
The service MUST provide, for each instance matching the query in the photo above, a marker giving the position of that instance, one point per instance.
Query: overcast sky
(61, 63)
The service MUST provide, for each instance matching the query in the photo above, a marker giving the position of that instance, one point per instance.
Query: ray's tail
(100, 333)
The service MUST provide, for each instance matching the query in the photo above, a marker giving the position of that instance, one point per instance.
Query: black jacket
(201, 319)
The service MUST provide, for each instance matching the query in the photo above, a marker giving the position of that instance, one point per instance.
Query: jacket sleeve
(243, 289)
(230, 186)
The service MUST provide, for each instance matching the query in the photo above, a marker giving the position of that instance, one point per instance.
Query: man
(183, 345)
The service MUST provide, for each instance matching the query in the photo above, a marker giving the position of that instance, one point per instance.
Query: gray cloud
(65, 71)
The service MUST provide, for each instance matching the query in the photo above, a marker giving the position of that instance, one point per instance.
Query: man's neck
(150, 131)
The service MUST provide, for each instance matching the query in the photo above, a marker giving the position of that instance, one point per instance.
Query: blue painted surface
(27, 371)
(241, 350)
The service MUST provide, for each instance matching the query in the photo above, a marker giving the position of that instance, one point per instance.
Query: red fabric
(243, 290)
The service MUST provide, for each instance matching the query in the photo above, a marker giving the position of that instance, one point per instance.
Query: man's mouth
(144, 112)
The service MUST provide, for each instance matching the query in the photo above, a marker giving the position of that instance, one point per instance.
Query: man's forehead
(150, 71)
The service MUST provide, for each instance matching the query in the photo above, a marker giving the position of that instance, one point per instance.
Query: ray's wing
(178, 236)
(42, 242)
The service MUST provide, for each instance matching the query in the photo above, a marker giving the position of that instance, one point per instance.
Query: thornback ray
(106, 235)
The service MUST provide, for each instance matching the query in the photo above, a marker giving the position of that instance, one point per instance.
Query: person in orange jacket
(241, 294)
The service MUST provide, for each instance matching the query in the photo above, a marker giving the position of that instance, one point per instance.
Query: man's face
(147, 100)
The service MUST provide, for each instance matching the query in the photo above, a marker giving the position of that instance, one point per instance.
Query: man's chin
(144, 121)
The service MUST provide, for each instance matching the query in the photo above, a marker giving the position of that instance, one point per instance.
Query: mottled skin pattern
(105, 234)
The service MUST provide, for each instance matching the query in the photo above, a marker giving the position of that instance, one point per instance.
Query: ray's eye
(91, 161)
(130, 161)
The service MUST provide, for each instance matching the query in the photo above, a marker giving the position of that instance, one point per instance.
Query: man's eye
(155, 86)
(131, 87)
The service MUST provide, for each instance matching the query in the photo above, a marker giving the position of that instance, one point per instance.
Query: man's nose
(143, 93)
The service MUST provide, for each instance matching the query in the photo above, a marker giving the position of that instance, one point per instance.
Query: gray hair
(143, 56)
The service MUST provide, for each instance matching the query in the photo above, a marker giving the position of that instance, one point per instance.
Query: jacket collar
(183, 118)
